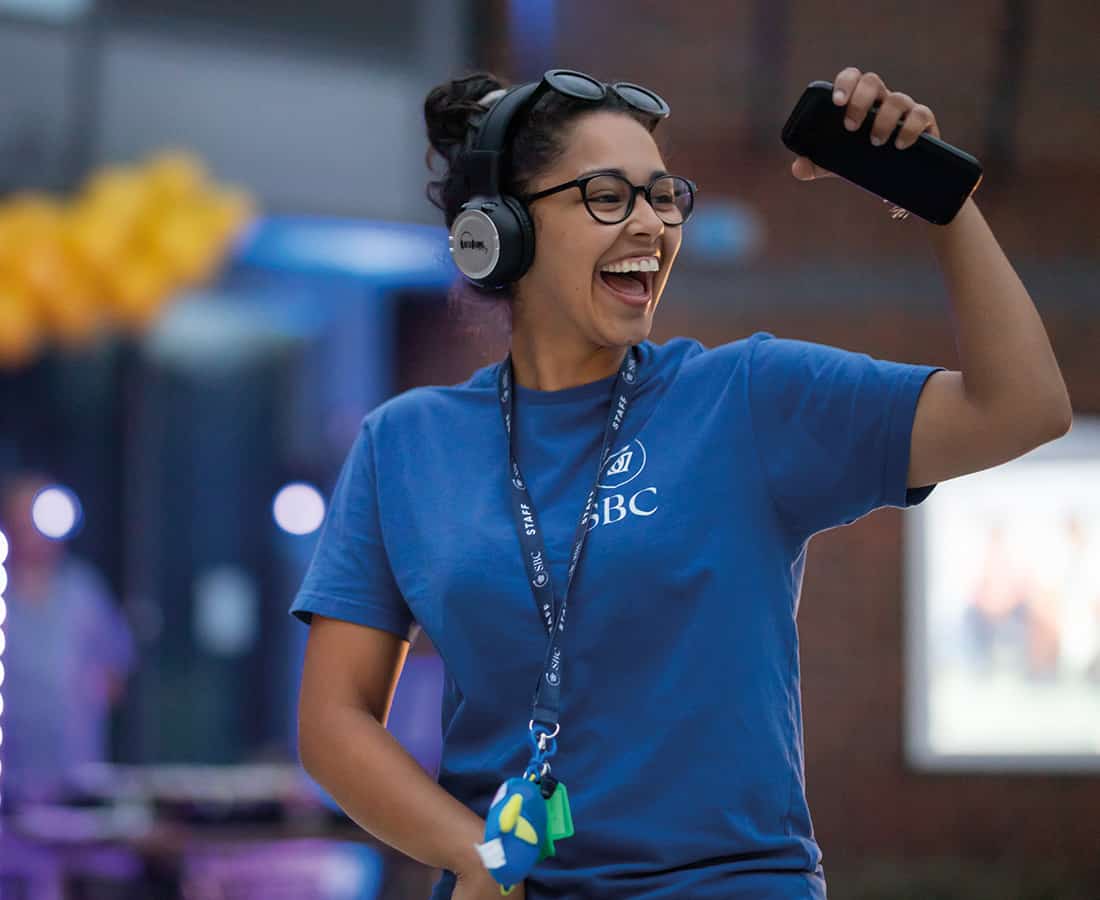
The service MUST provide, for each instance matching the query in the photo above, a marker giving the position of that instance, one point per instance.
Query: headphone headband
(492, 239)
(488, 142)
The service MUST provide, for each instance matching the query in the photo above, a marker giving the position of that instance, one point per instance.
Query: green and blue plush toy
(525, 818)
(514, 832)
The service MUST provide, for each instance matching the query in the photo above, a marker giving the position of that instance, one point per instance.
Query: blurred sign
(1003, 613)
(51, 10)
(723, 231)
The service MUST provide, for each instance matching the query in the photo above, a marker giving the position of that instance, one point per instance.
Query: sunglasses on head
(580, 86)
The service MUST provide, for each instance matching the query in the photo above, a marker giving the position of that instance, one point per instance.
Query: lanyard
(547, 699)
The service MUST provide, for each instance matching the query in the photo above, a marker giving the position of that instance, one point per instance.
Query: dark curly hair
(535, 145)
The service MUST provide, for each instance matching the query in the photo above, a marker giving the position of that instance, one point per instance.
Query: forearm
(385, 791)
(1007, 363)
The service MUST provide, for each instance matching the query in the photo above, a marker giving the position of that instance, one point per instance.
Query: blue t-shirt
(681, 721)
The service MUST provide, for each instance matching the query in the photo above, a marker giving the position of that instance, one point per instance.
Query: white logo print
(631, 369)
(552, 677)
(620, 464)
(623, 466)
(541, 576)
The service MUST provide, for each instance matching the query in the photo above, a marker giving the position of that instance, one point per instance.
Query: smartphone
(930, 178)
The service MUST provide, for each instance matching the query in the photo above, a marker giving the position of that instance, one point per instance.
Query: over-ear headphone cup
(517, 255)
(492, 241)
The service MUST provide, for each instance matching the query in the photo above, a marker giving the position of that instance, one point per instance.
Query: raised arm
(1009, 396)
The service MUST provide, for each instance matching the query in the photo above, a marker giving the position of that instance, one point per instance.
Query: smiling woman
(569, 134)
(677, 542)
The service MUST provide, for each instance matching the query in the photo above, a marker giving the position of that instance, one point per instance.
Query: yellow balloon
(183, 240)
(95, 238)
(131, 238)
(31, 212)
(8, 240)
(72, 308)
(20, 332)
(117, 194)
(41, 265)
(175, 175)
(138, 289)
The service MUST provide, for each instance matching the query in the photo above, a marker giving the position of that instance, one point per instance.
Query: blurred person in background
(458, 508)
(69, 650)
(998, 620)
(1078, 602)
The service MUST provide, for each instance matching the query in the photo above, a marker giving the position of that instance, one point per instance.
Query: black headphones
(492, 239)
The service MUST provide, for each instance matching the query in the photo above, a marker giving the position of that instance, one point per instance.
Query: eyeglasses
(609, 197)
(585, 87)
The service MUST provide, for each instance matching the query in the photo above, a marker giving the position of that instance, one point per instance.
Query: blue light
(532, 25)
(382, 254)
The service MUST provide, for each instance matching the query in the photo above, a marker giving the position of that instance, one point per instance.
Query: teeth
(649, 264)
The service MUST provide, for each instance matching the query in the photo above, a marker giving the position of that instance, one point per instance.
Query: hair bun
(449, 107)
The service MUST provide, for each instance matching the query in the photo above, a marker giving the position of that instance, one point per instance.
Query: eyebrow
(655, 174)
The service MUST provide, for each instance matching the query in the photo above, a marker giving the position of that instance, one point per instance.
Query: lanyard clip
(545, 745)
(542, 737)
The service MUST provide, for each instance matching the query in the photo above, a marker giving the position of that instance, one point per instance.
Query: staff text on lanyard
(547, 700)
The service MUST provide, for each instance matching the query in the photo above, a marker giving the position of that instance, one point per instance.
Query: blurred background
(216, 256)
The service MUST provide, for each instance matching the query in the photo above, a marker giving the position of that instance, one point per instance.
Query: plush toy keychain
(525, 818)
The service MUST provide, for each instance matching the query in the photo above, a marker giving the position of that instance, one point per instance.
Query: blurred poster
(50, 10)
(1003, 614)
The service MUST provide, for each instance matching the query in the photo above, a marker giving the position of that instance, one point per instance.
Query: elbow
(1052, 422)
(1059, 417)
(1064, 425)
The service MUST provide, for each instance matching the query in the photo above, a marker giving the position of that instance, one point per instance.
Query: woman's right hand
(478, 884)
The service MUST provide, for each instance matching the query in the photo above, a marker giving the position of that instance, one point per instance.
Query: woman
(679, 712)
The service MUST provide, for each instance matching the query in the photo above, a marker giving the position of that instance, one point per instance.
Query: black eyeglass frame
(635, 189)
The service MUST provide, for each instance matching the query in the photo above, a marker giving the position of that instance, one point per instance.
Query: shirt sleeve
(349, 576)
(108, 638)
(832, 430)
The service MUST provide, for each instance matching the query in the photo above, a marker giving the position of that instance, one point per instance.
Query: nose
(644, 216)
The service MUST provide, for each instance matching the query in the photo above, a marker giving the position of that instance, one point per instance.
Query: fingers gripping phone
(930, 178)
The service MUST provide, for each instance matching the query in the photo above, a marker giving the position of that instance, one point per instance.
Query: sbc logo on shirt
(621, 468)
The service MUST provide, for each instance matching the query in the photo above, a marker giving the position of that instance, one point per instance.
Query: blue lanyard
(547, 700)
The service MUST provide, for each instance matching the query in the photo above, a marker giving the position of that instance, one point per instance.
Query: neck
(557, 365)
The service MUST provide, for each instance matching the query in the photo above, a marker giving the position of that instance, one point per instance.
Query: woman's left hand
(857, 91)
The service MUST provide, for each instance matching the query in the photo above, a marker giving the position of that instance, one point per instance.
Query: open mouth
(635, 286)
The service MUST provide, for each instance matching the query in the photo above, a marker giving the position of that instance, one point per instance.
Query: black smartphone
(930, 178)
